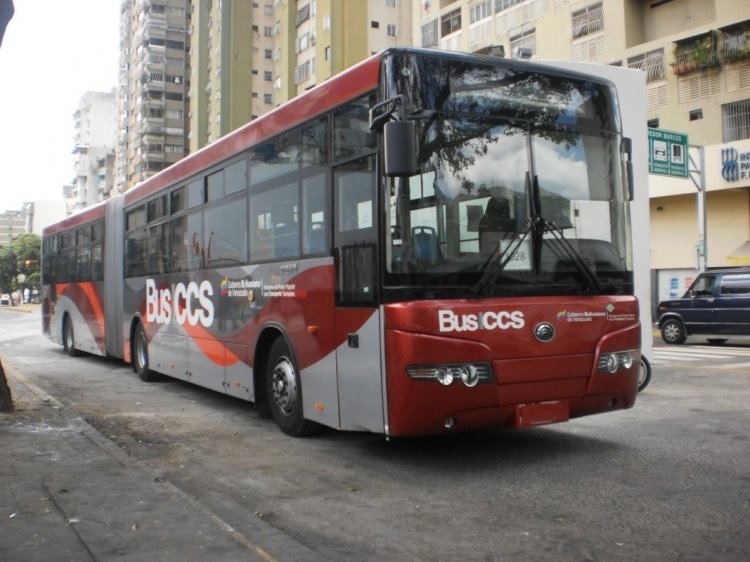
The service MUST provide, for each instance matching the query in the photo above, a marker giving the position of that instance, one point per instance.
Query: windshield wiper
(495, 264)
(557, 234)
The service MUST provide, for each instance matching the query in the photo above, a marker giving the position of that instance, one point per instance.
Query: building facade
(12, 223)
(152, 94)
(231, 66)
(316, 39)
(93, 152)
(696, 56)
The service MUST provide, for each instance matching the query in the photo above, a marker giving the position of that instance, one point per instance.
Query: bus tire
(284, 392)
(69, 338)
(140, 356)
(644, 374)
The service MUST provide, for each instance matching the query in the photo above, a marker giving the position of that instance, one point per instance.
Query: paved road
(666, 480)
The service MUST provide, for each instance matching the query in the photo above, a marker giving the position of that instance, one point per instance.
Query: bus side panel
(360, 374)
(82, 303)
(113, 279)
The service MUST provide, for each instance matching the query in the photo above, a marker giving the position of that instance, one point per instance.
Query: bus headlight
(612, 362)
(471, 374)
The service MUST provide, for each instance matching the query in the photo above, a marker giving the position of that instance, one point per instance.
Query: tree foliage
(20, 263)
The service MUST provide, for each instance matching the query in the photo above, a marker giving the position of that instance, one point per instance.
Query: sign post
(667, 153)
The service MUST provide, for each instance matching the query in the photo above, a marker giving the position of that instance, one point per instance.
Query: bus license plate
(542, 413)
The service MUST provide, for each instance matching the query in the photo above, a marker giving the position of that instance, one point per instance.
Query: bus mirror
(400, 149)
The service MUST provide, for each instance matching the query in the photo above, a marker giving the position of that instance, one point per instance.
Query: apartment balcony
(734, 43)
(695, 54)
(587, 21)
(652, 63)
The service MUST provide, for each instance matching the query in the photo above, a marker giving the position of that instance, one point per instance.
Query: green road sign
(667, 153)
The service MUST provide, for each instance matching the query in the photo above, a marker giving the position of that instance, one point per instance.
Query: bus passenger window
(316, 227)
(186, 239)
(351, 129)
(225, 237)
(274, 224)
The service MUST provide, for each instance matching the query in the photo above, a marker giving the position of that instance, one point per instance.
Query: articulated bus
(429, 242)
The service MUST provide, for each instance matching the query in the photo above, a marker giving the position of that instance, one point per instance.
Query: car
(5, 300)
(717, 304)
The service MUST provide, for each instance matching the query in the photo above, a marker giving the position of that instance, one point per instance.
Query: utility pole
(698, 170)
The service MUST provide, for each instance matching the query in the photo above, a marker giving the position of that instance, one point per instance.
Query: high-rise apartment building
(316, 39)
(153, 90)
(12, 224)
(696, 56)
(231, 61)
(95, 135)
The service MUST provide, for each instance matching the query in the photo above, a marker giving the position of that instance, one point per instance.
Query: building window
(696, 114)
(268, 53)
(523, 42)
(390, 3)
(267, 75)
(480, 11)
(429, 34)
(375, 24)
(268, 31)
(501, 5)
(303, 14)
(267, 98)
(302, 72)
(588, 20)
(391, 30)
(268, 9)
(327, 53)
(653, 123)
(735, 121)
(450, 22)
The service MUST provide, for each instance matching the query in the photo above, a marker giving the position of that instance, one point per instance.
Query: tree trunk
(6, 400)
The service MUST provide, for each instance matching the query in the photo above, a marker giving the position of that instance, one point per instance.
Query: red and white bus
(428, 242)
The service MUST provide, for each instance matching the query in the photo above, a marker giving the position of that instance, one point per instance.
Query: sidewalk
(68, 493)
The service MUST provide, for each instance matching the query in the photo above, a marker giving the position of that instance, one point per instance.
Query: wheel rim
(672, 331)
(141, 352)
(284, 386)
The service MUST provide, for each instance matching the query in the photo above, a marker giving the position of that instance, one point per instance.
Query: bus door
(358, 322)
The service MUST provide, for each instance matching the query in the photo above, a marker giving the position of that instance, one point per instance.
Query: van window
(738, 284)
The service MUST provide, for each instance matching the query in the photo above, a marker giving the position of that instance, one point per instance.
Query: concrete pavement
(69, 493)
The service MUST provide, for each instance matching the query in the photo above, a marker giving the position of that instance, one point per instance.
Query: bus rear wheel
(284, 392)
(140, 356)
(69, 338)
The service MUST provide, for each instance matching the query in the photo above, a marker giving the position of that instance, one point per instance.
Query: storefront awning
(741, 256)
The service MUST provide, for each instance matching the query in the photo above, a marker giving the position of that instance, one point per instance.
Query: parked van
(717, 304)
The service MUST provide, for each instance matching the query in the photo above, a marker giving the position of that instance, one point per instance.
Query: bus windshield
(521, 190)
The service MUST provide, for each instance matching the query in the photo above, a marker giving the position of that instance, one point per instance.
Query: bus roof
(89, 214)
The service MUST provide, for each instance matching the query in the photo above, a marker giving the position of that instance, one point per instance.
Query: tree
(19, 264)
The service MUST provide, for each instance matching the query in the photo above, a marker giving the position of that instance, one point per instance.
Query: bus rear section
(460, 365)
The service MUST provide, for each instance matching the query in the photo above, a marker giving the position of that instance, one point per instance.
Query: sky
(53, 52)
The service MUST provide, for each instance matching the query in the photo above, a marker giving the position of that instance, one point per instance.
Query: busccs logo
(730, 166)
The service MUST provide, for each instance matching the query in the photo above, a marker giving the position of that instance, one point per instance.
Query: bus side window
(274, 223)
(316, 223)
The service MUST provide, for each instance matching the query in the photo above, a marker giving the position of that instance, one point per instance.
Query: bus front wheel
(284, 392)
(69, 338)
(140, 356)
